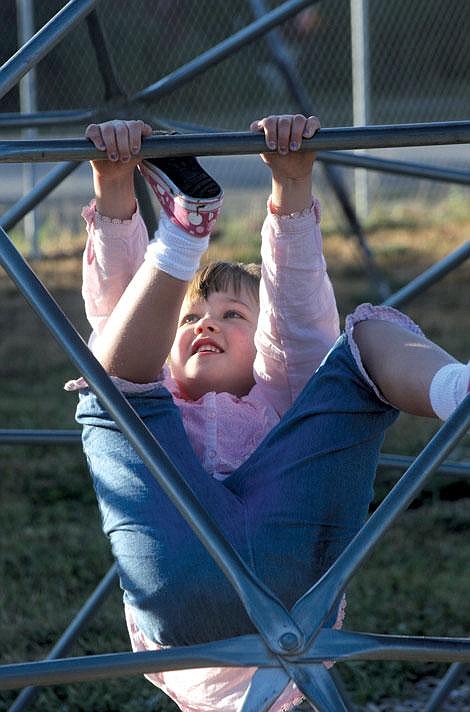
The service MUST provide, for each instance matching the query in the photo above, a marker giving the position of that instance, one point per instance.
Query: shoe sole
(197, 216)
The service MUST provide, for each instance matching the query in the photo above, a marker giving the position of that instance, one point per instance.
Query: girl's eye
(232, 314)
(189, 319)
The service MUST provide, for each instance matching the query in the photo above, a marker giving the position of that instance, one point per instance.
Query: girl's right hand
(121, 140)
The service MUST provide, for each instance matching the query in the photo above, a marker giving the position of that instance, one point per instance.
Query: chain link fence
(418, 71)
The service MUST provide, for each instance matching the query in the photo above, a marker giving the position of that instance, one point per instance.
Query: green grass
(53, 553)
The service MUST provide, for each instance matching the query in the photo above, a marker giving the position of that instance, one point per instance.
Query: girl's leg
(402, 364)
(177, 593)
(308, 485)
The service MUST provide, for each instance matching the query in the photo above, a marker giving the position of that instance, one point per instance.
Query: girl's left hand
(285, 133)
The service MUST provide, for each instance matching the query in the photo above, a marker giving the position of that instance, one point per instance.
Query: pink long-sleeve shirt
(298, 324)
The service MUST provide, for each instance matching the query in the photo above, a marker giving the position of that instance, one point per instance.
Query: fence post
(360, 88)
(28, 105)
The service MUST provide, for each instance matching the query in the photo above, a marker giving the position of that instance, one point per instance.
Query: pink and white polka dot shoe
(190, 197)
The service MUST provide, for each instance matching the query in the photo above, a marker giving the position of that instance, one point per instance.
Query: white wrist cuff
(175, 252)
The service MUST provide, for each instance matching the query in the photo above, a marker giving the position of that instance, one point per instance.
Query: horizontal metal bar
(267, 613)
(43, 187)
(222, 50)
(313, 608)
(429, 277)
(70, 635)
(74, 437)
(37, 119)
(351, 645)
(40, 437)
(245, 142)
(42, 42)
(402, 168)
(244, 651)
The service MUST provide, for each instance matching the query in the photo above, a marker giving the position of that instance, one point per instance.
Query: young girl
(273, 419)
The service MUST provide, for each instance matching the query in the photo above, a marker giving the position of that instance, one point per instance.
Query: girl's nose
(206, 323)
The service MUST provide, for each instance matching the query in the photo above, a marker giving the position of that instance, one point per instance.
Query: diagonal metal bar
(42, 42)
(313, 608)
(283, 60)
(112, 89)
(265, 610)
(42, 188)
(266, 686)
(402, 168)
(222, 50)
(70, 635)
(318, 687)
(429, 276)
(450, 679)
(402, 462)
(246, 142)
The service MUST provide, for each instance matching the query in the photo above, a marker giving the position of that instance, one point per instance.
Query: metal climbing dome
(291, 644)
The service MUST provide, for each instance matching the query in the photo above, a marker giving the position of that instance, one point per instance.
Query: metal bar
(450, 679)
(402, 168)
(112, 89)
(265, 610)
(243, 651)
(283, 60)
(429, 276)
(145, 203)
(40, 437)
(246, 651)
(73, 437)
(42, 188)
(312, 609)
(70, 635)
(360, 65)
(318, 687)
(349, 160)
(42, 42)
(28, 104)
(12, 120)
(265, 687)
(245, 142)
(222, 50)
(351, 645)
(401, 462)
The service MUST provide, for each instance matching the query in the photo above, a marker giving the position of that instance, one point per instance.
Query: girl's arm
(298, 317)
(136, 311)
(291, 171)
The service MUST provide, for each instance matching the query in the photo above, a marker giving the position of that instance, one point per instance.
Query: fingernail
(135, 149)
(125, 159)
(272, 144)
(283, 151)
(113, 157)
(294, 146)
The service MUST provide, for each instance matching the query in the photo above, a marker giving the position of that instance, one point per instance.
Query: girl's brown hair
(221, 276)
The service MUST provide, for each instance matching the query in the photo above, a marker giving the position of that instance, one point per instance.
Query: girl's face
(214, 346)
